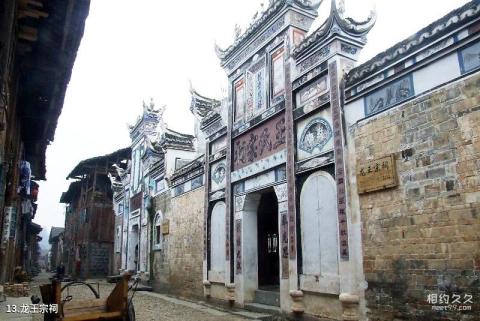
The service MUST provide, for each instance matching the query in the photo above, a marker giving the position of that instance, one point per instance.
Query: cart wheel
(130, 312)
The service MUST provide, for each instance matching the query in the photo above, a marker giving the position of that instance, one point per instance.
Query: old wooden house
(39, 42)
(89, 217)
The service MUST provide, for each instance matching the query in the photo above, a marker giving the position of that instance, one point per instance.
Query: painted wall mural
(315, 135)
(256, 93)
(389, 95)
(470, 58)
(315, 89)
(260, 142)
(239, 99)
(218, 175)
(278, 73)
(218, 144)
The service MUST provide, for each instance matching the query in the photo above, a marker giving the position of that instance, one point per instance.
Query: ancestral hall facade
(323, 188)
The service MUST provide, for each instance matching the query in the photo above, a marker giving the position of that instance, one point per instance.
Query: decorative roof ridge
(274, 7)
(192, 165)
(347, 24)
(202, 106)
(433, 31)
(149, 110)
(175, 133)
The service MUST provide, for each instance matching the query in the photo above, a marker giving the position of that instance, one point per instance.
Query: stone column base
(350, 306)
(206, 288)
(230, 296)
(297, 298)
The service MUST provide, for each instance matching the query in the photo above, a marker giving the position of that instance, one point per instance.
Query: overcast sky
(134, 50)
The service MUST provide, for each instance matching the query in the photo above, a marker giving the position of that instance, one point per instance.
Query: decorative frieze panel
(218, 144)
(239, 202)
(218, 175)
(255, 45)
(315, 162)
(187, 186)
(259, 143)
(241, 127)
(388, 96)
(307, 94)
(310, 75)
(314, 59)
(281, 192)
(315, 135)
(217, 195)
(260, 166)
(217, 156)
(316, 103)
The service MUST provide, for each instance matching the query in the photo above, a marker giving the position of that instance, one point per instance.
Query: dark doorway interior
(268, 242)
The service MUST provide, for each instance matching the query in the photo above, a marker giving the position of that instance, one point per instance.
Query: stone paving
(148, 306)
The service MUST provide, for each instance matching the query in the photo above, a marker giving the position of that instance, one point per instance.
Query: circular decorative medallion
(316, 134)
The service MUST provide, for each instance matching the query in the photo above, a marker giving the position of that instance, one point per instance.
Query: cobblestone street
(148, 306)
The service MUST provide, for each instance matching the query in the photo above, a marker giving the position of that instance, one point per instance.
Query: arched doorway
(319, 232)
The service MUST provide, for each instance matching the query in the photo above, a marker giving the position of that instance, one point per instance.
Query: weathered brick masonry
(186, 246)
(177, 267)
(423, 236)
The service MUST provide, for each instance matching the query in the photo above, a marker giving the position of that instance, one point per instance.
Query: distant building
(39, 42)
(56, 246)
(89, 217)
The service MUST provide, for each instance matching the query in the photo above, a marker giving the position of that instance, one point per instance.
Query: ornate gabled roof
(435, 30)
(173, 139)
(356, 29)
(259, 19)
(207, 109)
(148, 122)
(201, 106)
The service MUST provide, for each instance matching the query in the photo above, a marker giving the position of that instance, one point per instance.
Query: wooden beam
(32, 13)
(25, 3)
(28, 33)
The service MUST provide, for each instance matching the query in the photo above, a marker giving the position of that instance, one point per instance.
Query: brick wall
(185, 250)
(423, 237)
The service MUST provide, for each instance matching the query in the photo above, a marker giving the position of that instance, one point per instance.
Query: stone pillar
(207, 288)
(281, 192)
(297, 298)
(350, 304)
(230, 295)
(245, 247)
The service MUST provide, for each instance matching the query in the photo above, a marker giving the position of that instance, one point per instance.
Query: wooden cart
(117, 306)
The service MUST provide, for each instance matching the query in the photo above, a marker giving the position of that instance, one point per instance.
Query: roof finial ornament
(219, 51)
(238, 31)
(308, 4)
(350, 25)
(341, 7)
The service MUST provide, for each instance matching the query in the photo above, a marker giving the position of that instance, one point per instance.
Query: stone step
(251, 315)
(267, 297)
(269, 310)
